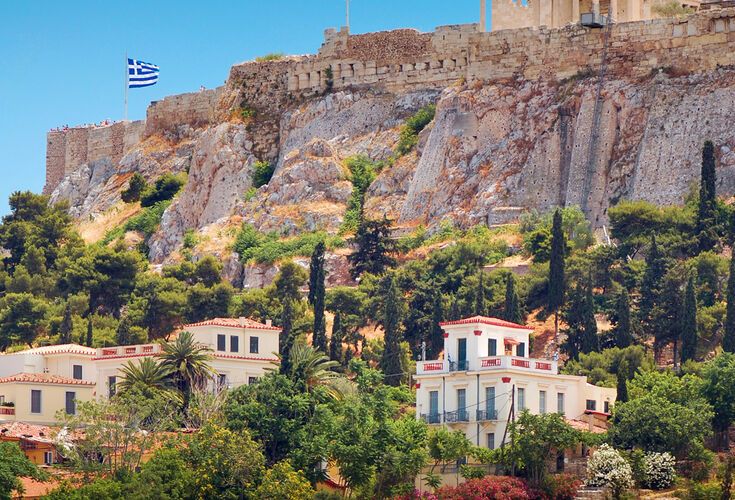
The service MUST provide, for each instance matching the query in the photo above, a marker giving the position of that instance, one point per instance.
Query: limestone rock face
(219, 175)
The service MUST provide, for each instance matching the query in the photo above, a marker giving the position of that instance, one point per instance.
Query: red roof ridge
(486, 320)
(234, 323)
(44, 378)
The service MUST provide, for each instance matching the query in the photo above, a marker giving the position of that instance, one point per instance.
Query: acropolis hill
(515, 128)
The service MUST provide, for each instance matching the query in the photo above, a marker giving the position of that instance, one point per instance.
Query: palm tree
(311, 368)
(146, 373)
(188, 364)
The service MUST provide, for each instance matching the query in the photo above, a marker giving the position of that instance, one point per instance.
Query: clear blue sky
(63, 61)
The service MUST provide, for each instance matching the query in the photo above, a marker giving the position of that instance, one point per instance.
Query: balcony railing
(431, 418)
(7, 410)
(457, 416)
(483, 415)
(487, 363)
(130, 350)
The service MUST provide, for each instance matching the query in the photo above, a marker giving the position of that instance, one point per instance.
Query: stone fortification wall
(196, 109)
(68, 149)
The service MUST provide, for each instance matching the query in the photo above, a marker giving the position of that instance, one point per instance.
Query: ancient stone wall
(195, 109)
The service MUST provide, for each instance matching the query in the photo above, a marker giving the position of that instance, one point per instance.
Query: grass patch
(147, 221)
(272, 56)
(253, 246)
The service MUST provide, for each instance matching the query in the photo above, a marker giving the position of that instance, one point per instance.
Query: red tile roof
(59, 349)
(253, 358)
(41, 433)
(43, 378)
(234, 323)
(485, 320)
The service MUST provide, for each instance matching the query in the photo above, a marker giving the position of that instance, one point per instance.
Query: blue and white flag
(141, 74)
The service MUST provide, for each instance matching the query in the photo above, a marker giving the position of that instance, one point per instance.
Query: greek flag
(141, 74)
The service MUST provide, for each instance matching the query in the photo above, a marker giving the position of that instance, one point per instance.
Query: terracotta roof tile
(43, 378)
(59, 349)
(42, 433)
(234, 323)
(486, 320)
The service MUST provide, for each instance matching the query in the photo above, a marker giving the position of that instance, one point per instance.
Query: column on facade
(575, 11)
(614, 11)
(596, 7)
(633, 10)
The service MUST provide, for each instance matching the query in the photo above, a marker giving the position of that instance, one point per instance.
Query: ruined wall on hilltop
(194, 109)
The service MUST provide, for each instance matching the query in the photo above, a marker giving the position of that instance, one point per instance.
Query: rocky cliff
(512, 132)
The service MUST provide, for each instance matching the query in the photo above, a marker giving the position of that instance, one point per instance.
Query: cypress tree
(707, 209)
(286, 337)
(623, 330)
(122, 334)
(512, 309)
(582, 326)
(689, 324)
(88, 342)
(622, 382)
(66, 326)
(728, 342)
(436, 335)
(590, 340)
(335, 342)
(374, 248)
(316, 297)
(391, 360)
(454, 313)
(556, 269)
(480, 308)
(652, 283)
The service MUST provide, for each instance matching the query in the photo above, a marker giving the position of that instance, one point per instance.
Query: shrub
(701, 491)
(247, 113)
(470, 472)
(262, 173)
(561, 486)
(487, 488)
(659, 470)
(165, 188)
(190, 239)
(607, 468)
(271, 56)
(146, 222)
(410, 130)
(250, 193)
(248, 238)
(251, 245)
(362, 174)
(136, 186)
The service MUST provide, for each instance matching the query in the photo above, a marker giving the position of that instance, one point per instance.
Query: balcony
(128, 351)
(593, 20)
(484, 415)
(7, 410)
(488, 363)
(431, 418)
(457, 416)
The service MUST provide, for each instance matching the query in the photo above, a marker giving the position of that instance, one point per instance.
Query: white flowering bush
(607, 468)
(659, 470)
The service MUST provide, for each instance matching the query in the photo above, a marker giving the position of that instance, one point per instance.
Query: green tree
(557, 285)
(206, 303)
(123, 335)
(623, 328)
(188, 363)
(707, 209)
(67, 325)
(480, 307)
(374, 248)
(512, 306)
(163, 189)
(22, 318)
(446, 447)
(317, 295)
(435, 342)
(136, 186)
(14, 465)
(653, 279)
(90, 337)
(689, 325)
(728, 341)
(719, 389)
(622, 382)
(147, 372)
(335, 341)
(158, 304)
(582, 326)
(391, 360)
(167, 474)
(282, 482)
(310, 368)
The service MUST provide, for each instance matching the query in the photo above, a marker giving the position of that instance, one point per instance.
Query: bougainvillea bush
(561, 486)
(488, 488)
(608, 469)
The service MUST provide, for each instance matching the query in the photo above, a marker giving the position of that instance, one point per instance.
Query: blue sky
(63, 61)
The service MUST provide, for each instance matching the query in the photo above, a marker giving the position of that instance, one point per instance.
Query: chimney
(241, 320)
(268, 322)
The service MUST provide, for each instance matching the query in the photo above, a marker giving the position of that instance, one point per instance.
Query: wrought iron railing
(487, 415)
(457, 416)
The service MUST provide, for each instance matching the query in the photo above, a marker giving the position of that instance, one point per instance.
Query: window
(48, 457)
(490, 403)
(521, 349)
(254, 345)
(492, 347)
(606, 405)
(461, 354)
(234, 343)
(77, 372)
(252, 380)
(542, 402)
(222, 380)
(591, 405)
(71, 404)
(560, 403)
(111, 385)
(433, 407)
(521, 399)
(221, 342)
(491, 440)
(35, 401)
(461, 404)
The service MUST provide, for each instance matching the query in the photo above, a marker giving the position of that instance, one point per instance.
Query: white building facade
(486, 371)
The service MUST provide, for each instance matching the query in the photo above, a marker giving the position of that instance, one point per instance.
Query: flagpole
(126, 85)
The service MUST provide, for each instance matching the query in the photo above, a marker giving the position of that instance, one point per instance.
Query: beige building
(512, 14)
(487, 370)
(36, 383)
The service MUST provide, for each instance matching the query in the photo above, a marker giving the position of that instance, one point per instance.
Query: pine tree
(335, 342)
(88, 342)
(689, 324)
(436, 336)
(556, 269)
(728, 342)
(66, 326)
(123, 335)
(623, 329)
(622, 382)
(316, 297)
(391, 360)
(480, 308)
(512, 309)
(707, 210)
(374, 248)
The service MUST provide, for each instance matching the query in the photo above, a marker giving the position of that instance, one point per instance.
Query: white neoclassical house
(486, 370)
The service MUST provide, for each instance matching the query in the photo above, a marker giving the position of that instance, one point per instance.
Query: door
(461, 354)
(490, 403)
(462, 405)
(433, 407)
